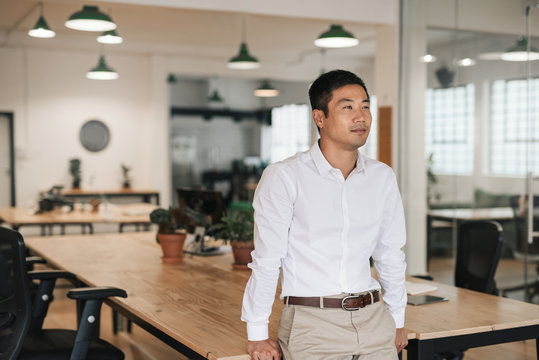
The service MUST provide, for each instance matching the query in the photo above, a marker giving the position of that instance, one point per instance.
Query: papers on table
(414, 288)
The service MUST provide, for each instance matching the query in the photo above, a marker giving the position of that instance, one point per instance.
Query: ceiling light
(102, 71)
(215, 97)
(519, 52)
(428, 58)
(336, 37)
(41, 29)
(244, 60)
(266, 90)
(90, 19)
(490, 56)
(110, 37)
(465, 62)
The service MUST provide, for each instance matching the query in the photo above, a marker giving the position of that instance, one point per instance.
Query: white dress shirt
(322, 229)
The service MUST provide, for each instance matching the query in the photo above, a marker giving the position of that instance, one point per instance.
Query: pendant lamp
(244, 60)
(336, 37)
(90, 19)
(102, 71)
(41, 29)
(519, 51)
(215, 97)
(110, 37)
(266, 90)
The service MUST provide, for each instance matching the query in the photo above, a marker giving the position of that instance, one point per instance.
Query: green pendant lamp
(215, 97)
(244, 60)
(102, 71)
(41, 29)
(519, 51)
(336, 37)
(110, 37)
(90, 19)
(266, 90)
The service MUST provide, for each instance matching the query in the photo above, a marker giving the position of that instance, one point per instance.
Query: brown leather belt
(348, 303)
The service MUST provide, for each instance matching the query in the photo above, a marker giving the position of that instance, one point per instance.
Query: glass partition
(481, 130)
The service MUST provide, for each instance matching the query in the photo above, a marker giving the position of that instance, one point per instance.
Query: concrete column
(411, 154)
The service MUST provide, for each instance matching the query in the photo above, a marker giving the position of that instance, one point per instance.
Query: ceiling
(281, 43)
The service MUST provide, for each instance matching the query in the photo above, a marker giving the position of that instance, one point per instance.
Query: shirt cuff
(399, 319)
(257, 332)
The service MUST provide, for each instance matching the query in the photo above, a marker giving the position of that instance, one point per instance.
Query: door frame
(9, 116)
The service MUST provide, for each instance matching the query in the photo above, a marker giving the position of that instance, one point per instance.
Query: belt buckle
(350, 297)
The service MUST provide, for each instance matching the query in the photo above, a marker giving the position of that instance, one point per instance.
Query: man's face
(348, 122)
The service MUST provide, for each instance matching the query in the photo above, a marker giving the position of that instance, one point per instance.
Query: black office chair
(18, 337)
(525, 252)
(479, 246)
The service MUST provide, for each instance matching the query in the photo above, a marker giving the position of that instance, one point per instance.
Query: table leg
(420, 350)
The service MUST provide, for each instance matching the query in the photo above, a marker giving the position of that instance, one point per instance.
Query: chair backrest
(519, 205)
(14, 294)
(479, 246)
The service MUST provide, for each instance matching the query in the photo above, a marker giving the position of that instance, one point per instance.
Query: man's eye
(348, 107)
(366, 107)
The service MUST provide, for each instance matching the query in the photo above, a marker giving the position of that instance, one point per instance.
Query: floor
(139, 345)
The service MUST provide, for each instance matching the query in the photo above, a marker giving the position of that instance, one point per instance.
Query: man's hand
(264, 350)
(401, 339)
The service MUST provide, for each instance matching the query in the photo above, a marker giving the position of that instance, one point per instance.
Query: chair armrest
(6, 319)
(31, 260)
(51, 275)
(95, 293)
(91, 299)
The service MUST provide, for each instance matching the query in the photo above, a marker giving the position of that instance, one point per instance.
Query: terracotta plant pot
(242, 254)
(172, 246)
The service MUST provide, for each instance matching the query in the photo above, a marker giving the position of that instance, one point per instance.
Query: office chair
(18, 337)
(525, 252)
(479, 246)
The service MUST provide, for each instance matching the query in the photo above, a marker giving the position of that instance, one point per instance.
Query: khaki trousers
(335, 334)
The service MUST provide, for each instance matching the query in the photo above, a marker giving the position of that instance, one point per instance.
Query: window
(514, 139)
(289, 132)
(449, 119)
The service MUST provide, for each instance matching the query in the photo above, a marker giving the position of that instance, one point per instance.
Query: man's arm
(273, 206)
(389, 259)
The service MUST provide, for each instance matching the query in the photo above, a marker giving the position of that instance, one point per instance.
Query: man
(320, 215)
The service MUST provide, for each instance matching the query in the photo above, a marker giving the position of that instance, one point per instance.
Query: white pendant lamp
(519, 51)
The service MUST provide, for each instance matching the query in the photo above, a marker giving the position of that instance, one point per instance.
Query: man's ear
(318, 118)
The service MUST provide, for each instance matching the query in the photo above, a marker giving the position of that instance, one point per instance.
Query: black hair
(320, 92)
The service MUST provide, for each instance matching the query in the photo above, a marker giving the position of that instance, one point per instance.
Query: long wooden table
(145, 195)
(195, 306)
(124, 214)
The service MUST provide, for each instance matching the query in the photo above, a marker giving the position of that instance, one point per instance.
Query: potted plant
(74, 170)
(170, 235)
(238, 229)
(127, 179)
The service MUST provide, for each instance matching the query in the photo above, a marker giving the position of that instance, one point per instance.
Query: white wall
(51, 99)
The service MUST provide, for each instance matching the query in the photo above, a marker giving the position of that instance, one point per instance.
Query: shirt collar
(324, 166)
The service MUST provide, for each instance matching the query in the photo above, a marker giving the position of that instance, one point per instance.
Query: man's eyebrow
(350, 100)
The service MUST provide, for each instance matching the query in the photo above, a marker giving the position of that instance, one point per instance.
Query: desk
(136, 214)
(145, 195)
(195, 306)
(458, 215)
